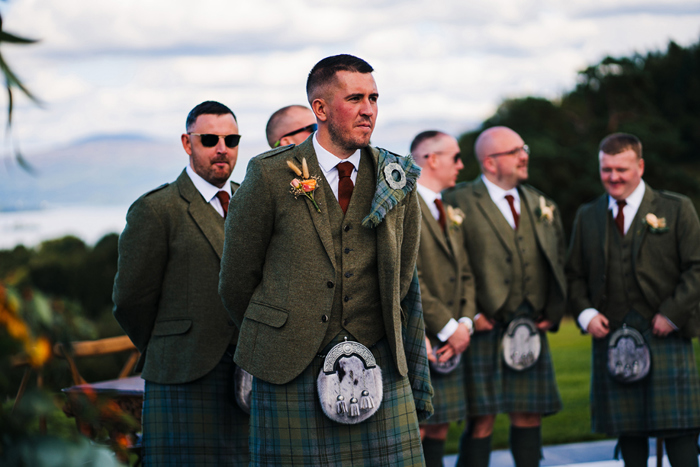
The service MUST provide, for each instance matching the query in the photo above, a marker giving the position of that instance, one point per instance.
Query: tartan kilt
(288, 426)
(667, 399)
(449, 399)
(197, 423)
(493, 387)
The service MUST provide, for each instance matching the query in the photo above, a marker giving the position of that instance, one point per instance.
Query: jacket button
(345, 322)
(462, 301)
(346, 228)
(347, 250)
(347, 299)
(450, 303)
(508, 259)
(324, 318)
(452, 279)
(330, 284)
(348, 274)
(506, 282)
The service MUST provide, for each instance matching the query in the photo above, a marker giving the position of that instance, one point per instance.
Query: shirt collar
(206, 189)
(496, 192)
(634, 200)
(327, 160)
(428, 195)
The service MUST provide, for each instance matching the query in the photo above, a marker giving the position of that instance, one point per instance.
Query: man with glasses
(446, 284)
(166, 300)
(290, 125)
(515, 242)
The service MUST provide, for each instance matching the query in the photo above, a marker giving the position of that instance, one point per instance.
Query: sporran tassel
(366, 402)
(340, 406)
(354, 408)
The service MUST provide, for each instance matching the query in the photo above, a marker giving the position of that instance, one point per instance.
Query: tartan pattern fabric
(288, 427)
(416, 354)
(667, 399)
(449, 400)
(195, 423)
(492, 387)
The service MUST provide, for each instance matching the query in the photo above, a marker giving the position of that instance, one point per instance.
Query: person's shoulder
(273, 153)
(672, 197)
(460, 189)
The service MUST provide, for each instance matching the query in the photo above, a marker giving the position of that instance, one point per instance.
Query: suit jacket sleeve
(468, 286)
(576, 274)
(679, 306)
(249, 226)
(143, 256)
(435, 313)
(556, 301)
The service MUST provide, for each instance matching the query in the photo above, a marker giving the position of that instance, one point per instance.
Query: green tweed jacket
(446, 281)
(278, 270)
(490, 251)
(165, 291)
(666, 263)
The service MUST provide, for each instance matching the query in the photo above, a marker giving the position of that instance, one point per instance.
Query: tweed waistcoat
(530, 279)
(623, 290)
(356, 303)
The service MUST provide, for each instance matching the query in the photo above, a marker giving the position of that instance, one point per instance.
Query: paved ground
(593, 454)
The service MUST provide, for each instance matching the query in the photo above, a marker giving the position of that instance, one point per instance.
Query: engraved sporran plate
(521, 344)
(629, 358)
(349, 385)
(447, 367)
(243, 387)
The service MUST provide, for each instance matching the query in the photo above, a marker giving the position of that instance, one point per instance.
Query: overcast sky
(139, 66)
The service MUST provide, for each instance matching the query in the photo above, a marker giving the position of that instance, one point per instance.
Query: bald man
(446, 284)
(290, 125)
(515, 243)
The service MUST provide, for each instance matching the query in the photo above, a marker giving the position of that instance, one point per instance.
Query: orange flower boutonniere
(307, 185)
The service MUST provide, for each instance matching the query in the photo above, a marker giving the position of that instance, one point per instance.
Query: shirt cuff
(448, 330)
(468, 323)
(586, 316)
(675, 328)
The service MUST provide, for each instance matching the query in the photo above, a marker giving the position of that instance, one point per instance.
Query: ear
(186, 143)
(488, 165)
(641, 167)
(320, 109)
(286, 141)
(431, 160)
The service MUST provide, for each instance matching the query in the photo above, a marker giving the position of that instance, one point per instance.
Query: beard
(345, 139)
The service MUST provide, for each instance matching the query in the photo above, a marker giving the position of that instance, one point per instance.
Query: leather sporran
(349, 385)
(629, 357)
(521, 344)
(447, 367)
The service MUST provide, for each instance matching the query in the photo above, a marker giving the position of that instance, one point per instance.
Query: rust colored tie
(224, 199)
(345, 184)
(620, 218)
(441, 209)
(516, 216)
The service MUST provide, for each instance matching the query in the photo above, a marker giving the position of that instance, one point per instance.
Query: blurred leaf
(11, 38)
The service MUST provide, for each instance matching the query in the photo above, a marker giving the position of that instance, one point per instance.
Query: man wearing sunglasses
(290, 125)
(307, 266)
(446, 284)
(515, 242)
(166, 300)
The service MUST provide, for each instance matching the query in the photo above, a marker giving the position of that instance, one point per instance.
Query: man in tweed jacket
(446, 282)
(515, 243)
(634, 260)
(165, 298)
(300, 273)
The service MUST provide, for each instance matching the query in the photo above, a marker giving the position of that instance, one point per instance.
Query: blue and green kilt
(449, 399)
(668, 399)
(288, 427)
(493, 387)
(196, 423)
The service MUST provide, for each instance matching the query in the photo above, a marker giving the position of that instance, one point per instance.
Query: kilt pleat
(288, 427)
(195, 423)
(449, 399)
(493, 387)
(667, 399)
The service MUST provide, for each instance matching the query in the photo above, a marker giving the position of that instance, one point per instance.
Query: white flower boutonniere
(455, 215)
(307, 185)
(656, 224)
(545, 213)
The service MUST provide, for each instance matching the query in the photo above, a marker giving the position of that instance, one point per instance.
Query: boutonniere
(545, 213)
(307, 185)
(455, 215)
(656, 224)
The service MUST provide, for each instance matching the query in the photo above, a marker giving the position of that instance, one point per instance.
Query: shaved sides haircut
(323, 73)
(276, 120)
(424, 136)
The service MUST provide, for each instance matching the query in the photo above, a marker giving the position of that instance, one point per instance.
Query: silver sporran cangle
(629, 358)
(521, 344)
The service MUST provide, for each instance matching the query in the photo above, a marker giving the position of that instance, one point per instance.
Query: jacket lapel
(491, 213)
(207, 219)
(433, 226)
(647, 206)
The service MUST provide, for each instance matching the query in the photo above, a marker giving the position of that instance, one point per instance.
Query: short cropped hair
(423, 136)
(324, 71)
(620, 142)
(207, 108)
(274, 122)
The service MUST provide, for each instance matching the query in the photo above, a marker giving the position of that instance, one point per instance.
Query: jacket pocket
(172, 327)
(267, 314)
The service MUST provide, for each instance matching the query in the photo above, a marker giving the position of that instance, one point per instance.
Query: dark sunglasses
(209, 141)
(513, 152)
(456, 158)
(310, 128)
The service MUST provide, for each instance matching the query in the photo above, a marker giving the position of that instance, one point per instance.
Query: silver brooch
(395, 176)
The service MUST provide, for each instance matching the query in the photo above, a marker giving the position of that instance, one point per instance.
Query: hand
(482, 323)
(545, 325)
(599, 326)
(661, 326)
(445, 353)
(429, 350)
(459, 340)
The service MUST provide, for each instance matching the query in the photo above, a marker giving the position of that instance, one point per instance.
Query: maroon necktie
(224, 199)
(441, 209)
(620, 218)
(345, 184)
(516, 216)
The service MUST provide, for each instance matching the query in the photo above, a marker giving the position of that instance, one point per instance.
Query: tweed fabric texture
(288, 427)
(668, 399)
(196, 423)
(492, 387)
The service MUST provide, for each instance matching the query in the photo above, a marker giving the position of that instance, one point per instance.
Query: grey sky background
(138, 66)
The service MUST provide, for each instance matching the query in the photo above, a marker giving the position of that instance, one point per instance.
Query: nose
(460, 164)
(367, 108)
(221, 146)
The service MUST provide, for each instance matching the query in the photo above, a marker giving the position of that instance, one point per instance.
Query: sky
(138, 66)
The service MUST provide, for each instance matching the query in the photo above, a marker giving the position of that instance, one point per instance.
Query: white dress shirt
(329, 165)
(208, 191)
(498, 195)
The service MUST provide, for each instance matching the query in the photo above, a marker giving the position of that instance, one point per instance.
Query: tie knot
(223, 198)
(510, 199)
(621, 203)
(345, 169)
